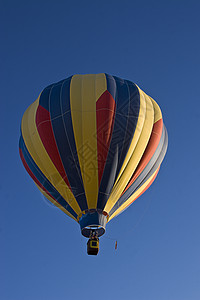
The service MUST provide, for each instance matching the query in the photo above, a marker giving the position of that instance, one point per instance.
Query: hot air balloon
(93, 144)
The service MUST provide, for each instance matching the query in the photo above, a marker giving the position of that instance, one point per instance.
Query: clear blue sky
(156, 45)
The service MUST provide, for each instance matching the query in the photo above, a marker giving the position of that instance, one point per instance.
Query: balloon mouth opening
(93, 223)
(90, 230)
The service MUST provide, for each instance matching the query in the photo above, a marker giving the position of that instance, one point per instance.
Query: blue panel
(43, 180)
(63, 131)
(44, 97)
(126, 116)
(133, 106)
(65, 96)
(111, 85)
(93, 219)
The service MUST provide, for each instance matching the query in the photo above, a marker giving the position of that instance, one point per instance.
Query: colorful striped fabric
(93, 144)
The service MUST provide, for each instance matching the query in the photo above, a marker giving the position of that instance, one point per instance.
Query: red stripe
(32, 175)
(44, 127)
(150, 150)
(105, 114)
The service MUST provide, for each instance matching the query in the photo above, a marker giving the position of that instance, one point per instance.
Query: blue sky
(156, 45)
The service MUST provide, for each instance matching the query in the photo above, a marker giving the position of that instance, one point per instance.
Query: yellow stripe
(41, 157)
(100, 85)
(136, 155)
(133, 197)
(157, 111)
(138, 130)
(85, 90)
(55, 203)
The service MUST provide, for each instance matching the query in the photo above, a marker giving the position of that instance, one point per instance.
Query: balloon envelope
(93, 144)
